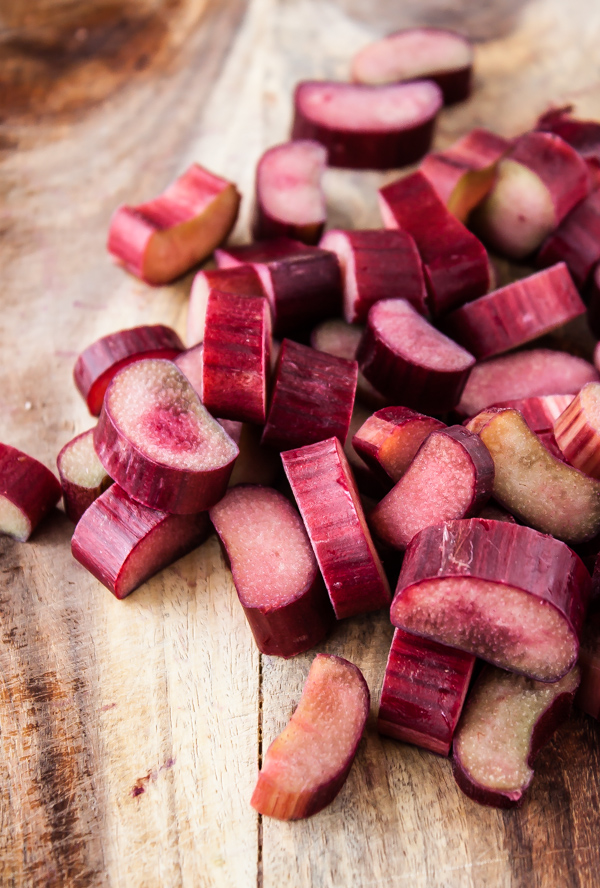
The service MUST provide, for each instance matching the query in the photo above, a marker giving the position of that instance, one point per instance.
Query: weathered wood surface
(130, 732)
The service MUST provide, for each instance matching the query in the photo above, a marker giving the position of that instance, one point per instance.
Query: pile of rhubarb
(360, 410)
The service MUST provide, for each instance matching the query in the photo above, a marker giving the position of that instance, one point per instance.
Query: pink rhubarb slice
(28, 492)
(576, 241)
(582, 135)
(336, 337)
(540, 412)
(577, 430)
(241, 280)
(82, 476)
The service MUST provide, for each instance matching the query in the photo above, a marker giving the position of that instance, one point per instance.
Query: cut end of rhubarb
(28, 491)
(79, 464)
(13, 521)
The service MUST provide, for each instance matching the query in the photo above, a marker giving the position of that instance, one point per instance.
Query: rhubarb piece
(455, 263)
(191, 364)
(336, 337)
(123, 543)
(429, 53)
(369, 483)
(389, 439)
(322, 483)
(582, 135)
(302, 283)
(539, 181)
(423, 692)
(577, 430)
(588, 696)
(274, 570)
(255, 464)
(241, 280)
(307, 764)
(28, 491)
(367, 127)
(540, 411)
(313, 397)
(506, 721)
(160, 240)
(159, 443)
(500, 591)
(82, 475)
(576, 241)
(516, 314)
(289, 198)
(376, 265)
(450, 477)
(410, 361)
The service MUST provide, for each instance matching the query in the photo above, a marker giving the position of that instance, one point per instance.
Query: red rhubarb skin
(455, 262)
(107, 537)
(329, 502)
(576, 241)
(582, 135)
(97, 365)
(577, 433)
(28, 485)
(423, 692)
(191, 364)
(540, 412)
(78, 499)
(242, 280)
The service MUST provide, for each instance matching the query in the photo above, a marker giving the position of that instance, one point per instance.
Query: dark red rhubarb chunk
(577, 430)
(376, 265)
(313, 397)
(160, 240)
(423, 692)
(241, 280)
(432, 53)
(588, 696)
(576, 241)
(336, 337)
(582, 135)
(540, 412)
(82, 475)
(96, 366)
(191, 364)
(367, 127)
(411, 362)
(307, 764)
(123, 543)
(302, 283)
(455, 262)
(513, 315)
(289, 198)
(28, 491)
(274, 570)
(500, 591)
(324, 488)
(158, 442)
(506, 720)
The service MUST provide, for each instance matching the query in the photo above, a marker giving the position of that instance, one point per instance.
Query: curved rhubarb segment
(576, 241)
(159, 443)
(308, 763)
(191, 364)
(588, 696)
(577, 430)
(367, 127)
(336, 337)
(274, 570)
(540, 412)
(28, 491)
(241, 280)
(123, 543)
(322, 483)
(582, 135)
(500, 591)
(506, 721)
(410, 361)
(423, 692)
(82, 475)
(160, 240)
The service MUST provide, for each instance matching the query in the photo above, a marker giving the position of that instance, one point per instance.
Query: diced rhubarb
(123, 543)
(336, 337)
(158, 442)
(28, 491)
(540, 412)
(160, 240)
(577, 430)
(576, 241)
(307, 764)
(367, 127)
(322, 483)
(454, 261)
(423, 692)
(369, 483)
(588, 696)
(82, 475)
(191, 364)
(274, 570)
(582, 135)
(505, 722)
(242, 280)
(500, 591)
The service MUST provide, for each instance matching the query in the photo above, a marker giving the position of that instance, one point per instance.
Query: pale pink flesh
(242, 280)
(391, 437)
(28, 491)
(411, 54)
(337, 337)
(82, 475)
(577, 431)
(190, 362)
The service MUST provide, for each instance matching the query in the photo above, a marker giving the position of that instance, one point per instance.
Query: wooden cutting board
(130, 732)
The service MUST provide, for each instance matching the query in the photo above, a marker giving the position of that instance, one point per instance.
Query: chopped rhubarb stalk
(423, 692)
(516, 314)
(82, 475)
(368, 482)
(96, 366)
(588, 696)
(241, 280)
(582, 135)
(429, 53)
(367, 127)
(159, 443)
(307, 764)
(455, 263)
(28, 491)
(500, 591)
(274, 570)
(389, 439)
(190, 362)
(540, 412)
(302, 283)
(507, 719)
(533, 484)
(376, 265)
(324, 488)
(450, 477)
(160, 240)
(576, 241)
(236, 367)
(289, 198)
(255, 464)
(410, 361)
(523, 375)
(123, 543)
(464, 173)
(577, 430)
(313, 397)
(336, 337)
(539, 181)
